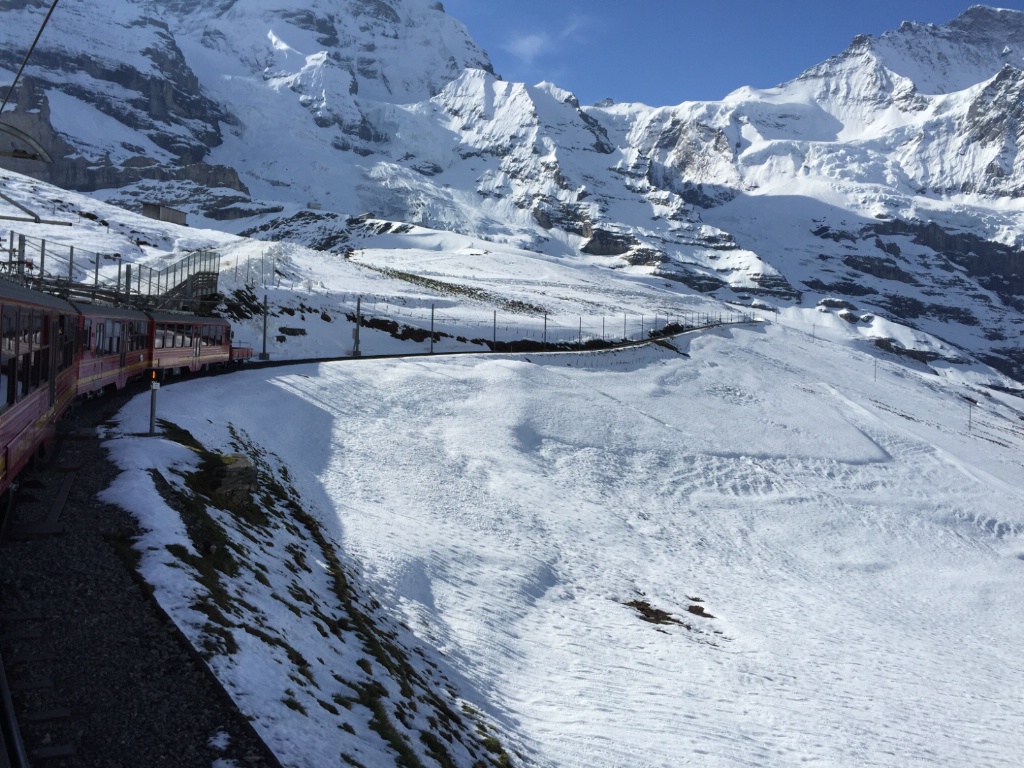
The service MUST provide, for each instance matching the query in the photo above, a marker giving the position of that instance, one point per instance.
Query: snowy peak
(945, 59)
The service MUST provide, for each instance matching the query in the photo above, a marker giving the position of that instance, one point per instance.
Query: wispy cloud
(531, 47)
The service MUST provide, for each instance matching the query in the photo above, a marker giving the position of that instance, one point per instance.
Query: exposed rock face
(604, 243)
(238, 480)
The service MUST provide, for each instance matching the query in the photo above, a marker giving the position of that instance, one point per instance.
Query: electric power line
(21, 69)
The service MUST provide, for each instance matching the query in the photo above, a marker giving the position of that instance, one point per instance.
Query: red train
(52, 351)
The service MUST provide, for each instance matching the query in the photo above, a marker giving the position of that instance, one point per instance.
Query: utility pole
(431, 329)
(263, 354)
(355, 331)
(153, 387)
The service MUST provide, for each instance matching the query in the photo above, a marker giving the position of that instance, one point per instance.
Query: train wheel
(44, 453)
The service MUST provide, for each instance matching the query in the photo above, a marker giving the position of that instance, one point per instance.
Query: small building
(163, 213)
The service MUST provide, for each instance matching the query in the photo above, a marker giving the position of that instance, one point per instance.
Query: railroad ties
(38, 726)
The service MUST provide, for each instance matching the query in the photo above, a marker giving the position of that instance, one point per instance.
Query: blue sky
(663, 52)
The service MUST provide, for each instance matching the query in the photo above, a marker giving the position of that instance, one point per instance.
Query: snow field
(859, 549)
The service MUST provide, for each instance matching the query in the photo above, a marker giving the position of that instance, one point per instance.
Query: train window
(141, 335)
(10, 381)
(65, 347)
(9, 357)
(24, 374)
(25, 329)
(40, 370)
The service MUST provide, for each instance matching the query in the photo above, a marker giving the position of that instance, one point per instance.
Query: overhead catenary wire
(28, 55)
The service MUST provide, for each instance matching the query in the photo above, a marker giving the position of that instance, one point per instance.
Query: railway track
(99, 676)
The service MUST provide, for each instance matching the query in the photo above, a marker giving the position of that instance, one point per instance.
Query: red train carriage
(52, 350)
(180, 343)
(37, 372)
(114, 347)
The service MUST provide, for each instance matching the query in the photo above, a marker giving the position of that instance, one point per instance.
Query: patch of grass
(372, 697)
(436, 750)
(455, 289)
(343, 701)
(328, 706)
(293, 704)
(654, 615)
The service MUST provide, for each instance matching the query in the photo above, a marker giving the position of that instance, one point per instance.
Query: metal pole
(71, 263)
(624, 336)
(264, 355)
(545, 330)
(42, 258)
(494, 332)
(127, 280)
(580, 342)
(355, 333)
(118, 294)
(153, 387)
(96, 274)
(431, 329)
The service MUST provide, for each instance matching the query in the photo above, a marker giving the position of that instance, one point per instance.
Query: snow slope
(857, 542)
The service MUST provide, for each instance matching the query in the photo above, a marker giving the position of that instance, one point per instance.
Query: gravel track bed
(137, 692)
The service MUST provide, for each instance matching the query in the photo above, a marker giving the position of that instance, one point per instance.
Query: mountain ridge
(279, 123)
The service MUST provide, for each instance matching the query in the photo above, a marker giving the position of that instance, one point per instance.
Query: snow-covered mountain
(889, 177)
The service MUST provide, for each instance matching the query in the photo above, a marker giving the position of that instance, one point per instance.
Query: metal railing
(76, 273)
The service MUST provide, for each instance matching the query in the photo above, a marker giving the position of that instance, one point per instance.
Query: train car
(37, 373)
(114, 347)
(52, 351)
(179, 343)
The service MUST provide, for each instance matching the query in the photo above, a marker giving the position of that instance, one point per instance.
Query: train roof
(184, 317)
(98, 310)
(11, 291)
